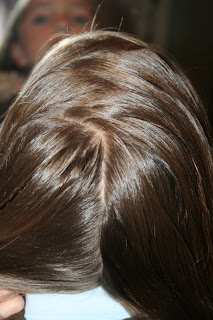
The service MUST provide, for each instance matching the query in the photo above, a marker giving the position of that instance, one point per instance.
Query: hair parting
(106, 179)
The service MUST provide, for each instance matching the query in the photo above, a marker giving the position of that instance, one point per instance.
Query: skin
(10, 304)
(43, 20)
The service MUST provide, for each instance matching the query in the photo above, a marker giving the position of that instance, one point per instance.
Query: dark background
(184, 28)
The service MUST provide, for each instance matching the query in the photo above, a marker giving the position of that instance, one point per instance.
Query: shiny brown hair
(106, 179)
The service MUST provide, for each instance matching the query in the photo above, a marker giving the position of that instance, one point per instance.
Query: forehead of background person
(56, 4)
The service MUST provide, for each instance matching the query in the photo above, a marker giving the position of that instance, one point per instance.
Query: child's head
(106, 179)
(34, 22)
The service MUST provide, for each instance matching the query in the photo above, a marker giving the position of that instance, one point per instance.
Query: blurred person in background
(32, 23)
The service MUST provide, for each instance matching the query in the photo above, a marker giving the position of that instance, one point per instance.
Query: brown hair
(106, 179)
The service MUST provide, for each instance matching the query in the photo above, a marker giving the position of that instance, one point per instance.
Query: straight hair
(106, 179)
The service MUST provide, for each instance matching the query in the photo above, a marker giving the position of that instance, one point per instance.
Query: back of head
(106, 179)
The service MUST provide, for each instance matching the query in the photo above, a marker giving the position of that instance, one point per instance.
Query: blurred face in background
(42, 20)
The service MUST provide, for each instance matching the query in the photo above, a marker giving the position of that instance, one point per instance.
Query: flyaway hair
(106, 178)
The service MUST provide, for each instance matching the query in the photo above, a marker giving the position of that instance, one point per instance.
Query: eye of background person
(80, 20)
(39, 20)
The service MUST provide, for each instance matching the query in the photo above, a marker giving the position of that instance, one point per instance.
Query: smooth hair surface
(106, 179)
